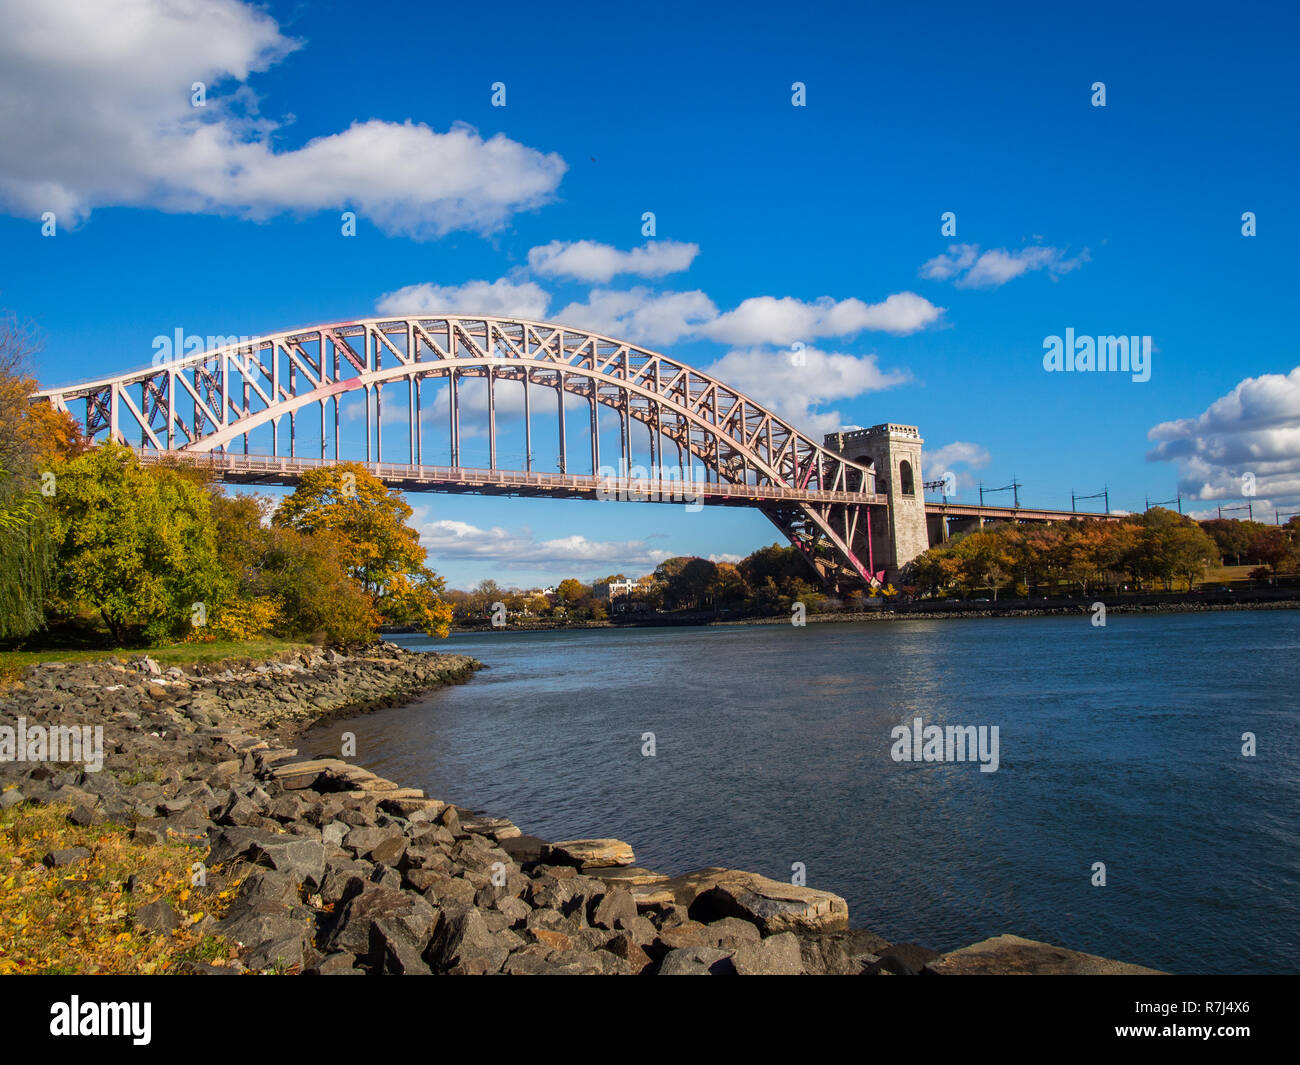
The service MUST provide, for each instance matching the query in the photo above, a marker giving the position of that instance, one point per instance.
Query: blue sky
(774, 223)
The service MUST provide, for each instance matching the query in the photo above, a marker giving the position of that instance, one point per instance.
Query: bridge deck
(265, 469)
(974, 510)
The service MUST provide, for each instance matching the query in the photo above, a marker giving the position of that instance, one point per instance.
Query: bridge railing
(631, 489)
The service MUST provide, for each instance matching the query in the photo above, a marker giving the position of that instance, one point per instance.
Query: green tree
(136, 545)
(1170, 545)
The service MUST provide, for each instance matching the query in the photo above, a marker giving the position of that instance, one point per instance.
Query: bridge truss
(250, 402)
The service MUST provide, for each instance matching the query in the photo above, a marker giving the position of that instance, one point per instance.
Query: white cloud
(958, 453)
(772, 320)
(98, 113)
(643, 316)
(1267, 402)
(503, 297)
(968, 268)
(640, 315)
(942, 460)
(958, 258)
(1253, 430)
(520, 549)
(586, 260)
(796, 389)
(793, 384)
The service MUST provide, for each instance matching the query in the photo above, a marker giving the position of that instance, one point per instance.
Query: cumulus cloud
(958, 453)
(641, 315)
(503, 297)
(521, 549)
(645, 316)
(650, 317)
(772, 320)
(796, 384)
(967, 267)
(1253, 430)
(99, 113)
(586, 260)
(950, 459)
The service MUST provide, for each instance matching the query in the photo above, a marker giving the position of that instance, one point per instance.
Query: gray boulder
(302, 859)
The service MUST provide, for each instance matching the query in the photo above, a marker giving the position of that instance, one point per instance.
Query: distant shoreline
(1186, 603)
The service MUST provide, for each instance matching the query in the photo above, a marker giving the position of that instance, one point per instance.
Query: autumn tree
(729, 586)
(1269, 546)
(376, 545)
(301, 577)
(485, 594)
(571, 590)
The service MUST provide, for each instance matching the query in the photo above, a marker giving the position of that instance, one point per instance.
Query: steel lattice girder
(206, 401)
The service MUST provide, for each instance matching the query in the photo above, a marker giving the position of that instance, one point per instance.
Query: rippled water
(1120, 745)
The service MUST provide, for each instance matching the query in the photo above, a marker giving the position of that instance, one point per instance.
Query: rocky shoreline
(334, 870)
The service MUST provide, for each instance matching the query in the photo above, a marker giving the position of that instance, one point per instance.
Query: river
(772, 746)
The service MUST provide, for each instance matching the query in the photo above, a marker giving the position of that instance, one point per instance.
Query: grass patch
(80, 919)
(1216, 574)
(12, 663)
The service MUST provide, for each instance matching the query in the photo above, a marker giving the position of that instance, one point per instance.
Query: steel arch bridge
(222, 403)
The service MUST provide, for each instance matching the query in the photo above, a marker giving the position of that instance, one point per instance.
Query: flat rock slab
(297, 775)
(772, 905)
(589, 853)
(629, 875)
(414, 807)
(1014, 956)
(497, 827)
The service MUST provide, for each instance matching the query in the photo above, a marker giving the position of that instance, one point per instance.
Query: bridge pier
(965, 525)
(898, 533)
(937, 529)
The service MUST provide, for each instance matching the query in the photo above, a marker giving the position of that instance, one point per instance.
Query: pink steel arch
(214, 401)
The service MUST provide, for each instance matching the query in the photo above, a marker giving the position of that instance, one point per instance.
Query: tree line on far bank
(1159, 550)
(768, 581)
(93, 541)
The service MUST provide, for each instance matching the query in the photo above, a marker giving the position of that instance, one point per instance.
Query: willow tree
(33, 437)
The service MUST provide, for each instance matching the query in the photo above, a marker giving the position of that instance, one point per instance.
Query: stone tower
(893, 452)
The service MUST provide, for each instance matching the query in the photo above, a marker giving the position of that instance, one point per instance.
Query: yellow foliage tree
(376, 545)
(246, 619)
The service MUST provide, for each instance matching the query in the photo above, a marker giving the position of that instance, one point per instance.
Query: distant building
(612, 590)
